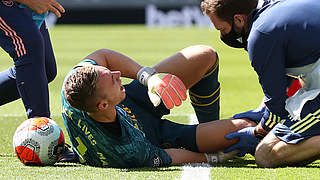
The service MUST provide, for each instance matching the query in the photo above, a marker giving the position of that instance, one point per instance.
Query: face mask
(234, 39)
(239, 40)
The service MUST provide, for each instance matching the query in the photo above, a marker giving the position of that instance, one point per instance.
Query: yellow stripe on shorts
(306, 122)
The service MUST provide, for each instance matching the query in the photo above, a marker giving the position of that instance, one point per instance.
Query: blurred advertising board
(153, 13)
(106, 4)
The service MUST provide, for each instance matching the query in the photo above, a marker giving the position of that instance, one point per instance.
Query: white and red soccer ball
(38, 141)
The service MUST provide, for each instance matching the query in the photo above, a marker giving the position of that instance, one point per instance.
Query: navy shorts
(160, 132)
(295, 131)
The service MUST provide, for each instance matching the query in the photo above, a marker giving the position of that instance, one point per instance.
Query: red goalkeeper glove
(163, 86)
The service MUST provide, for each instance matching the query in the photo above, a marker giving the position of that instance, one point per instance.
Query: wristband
(144, 74)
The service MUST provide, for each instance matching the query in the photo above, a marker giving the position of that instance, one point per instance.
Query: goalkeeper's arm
(116, 61)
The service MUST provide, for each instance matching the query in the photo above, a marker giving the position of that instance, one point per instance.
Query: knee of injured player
(205, 56)
(213, 62)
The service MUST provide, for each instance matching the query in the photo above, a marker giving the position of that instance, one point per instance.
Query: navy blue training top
(286, 34)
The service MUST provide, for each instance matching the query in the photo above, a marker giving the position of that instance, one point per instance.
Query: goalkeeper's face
(109, 86)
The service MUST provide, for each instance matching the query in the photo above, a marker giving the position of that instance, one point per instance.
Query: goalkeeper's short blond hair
(81, 90)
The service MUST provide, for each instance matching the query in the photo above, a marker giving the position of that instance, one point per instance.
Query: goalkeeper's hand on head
(163, 86)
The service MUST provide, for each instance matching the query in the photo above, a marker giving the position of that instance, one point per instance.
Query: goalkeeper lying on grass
(112, 125)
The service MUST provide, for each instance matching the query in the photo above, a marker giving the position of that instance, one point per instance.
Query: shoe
(68, 156)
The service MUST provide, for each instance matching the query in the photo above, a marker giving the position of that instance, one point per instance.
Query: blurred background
(153, 13)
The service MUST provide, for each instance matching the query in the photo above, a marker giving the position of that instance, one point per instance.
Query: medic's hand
(254, 115)
(247, 141)
(168, 88)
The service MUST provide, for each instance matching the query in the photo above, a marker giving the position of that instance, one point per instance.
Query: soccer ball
(38, 141)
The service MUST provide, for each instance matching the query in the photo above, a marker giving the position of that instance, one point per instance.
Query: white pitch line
(195, 170)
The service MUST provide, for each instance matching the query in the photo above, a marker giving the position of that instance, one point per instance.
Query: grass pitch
(240, 92)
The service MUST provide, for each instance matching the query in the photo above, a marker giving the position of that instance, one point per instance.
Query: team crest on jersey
(157, 161)
(8, 3)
